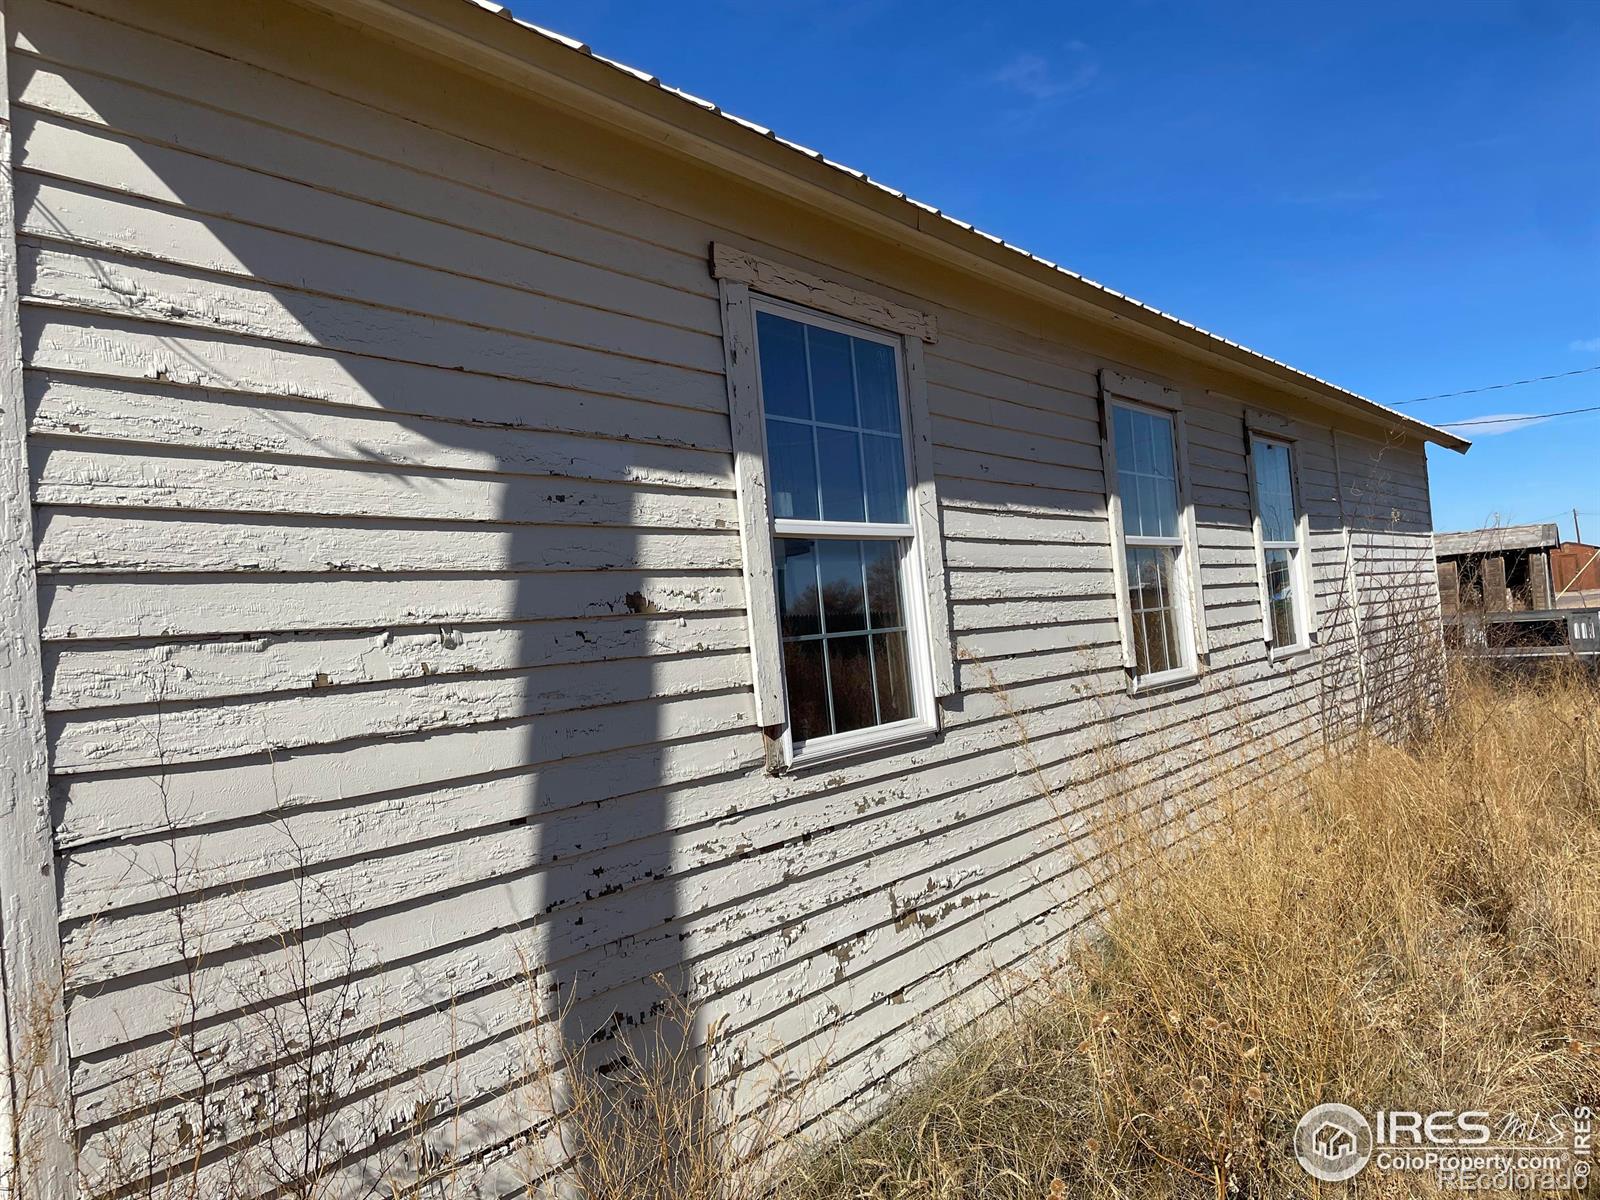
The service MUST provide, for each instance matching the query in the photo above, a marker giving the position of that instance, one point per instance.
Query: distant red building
(1575, 574)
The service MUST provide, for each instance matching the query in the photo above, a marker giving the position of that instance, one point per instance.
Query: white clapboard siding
(975, 523)
(104, 347)
(1005, 443)
(1020, 582)
(669, 365)
(859, 951)
(88, 179)
(732, 791)
(164, 734)
(734, 882)
(1070, 556)
(407, 164)
(952, 404)
(1011, 375)
(100, 540)
(1009, 499)
(160, 415)
(435, 164)
(639, 745)
(383, 499)
(71, 473)
(433, 923)
(102, 607)
(98, 675)
(476, 1024)
(195, 853)
(127, 872)
(961, 463)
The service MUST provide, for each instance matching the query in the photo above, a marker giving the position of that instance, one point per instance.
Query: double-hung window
(845, 561)
(1285, 608)
(1156, 575)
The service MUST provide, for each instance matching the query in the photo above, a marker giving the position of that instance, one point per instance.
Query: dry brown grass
(1423, 931)
(652, 1114)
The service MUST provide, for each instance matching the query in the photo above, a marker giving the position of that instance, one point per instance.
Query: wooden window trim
(1270, 424)
(930, 588)
(750, 483)
(32, 1004)
(1141, 391)
(1117, 388)
(783, 282)
(926, 517)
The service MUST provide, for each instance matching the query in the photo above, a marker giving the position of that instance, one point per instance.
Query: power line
(1494, 387)
(1518, 418)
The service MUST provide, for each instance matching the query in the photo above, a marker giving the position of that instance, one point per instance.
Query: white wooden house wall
(379, 454)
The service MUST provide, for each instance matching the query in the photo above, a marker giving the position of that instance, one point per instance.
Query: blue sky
(1403, 198)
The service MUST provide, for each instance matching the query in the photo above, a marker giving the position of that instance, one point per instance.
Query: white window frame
(923, 721)
(749, 285)
(1299, 548)
(1118, 390)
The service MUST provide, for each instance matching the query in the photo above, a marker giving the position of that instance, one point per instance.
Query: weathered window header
(1145, 391)
(800, 287)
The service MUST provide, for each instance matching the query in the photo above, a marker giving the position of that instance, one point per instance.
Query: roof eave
(1501, 539)
(566, 73)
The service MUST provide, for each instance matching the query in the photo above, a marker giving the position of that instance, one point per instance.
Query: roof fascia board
(600, 90)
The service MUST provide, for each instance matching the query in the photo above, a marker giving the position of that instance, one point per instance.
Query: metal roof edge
(476, 38)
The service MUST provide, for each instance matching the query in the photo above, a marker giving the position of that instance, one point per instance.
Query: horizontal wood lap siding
(387, 529)
(400, 460)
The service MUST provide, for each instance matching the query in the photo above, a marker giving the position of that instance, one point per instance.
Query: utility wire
(1494, 387)
(1518, 418)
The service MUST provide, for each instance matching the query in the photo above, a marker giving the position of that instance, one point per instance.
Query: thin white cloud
(1497, 423)
(1040, 80)
(1585, 345)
